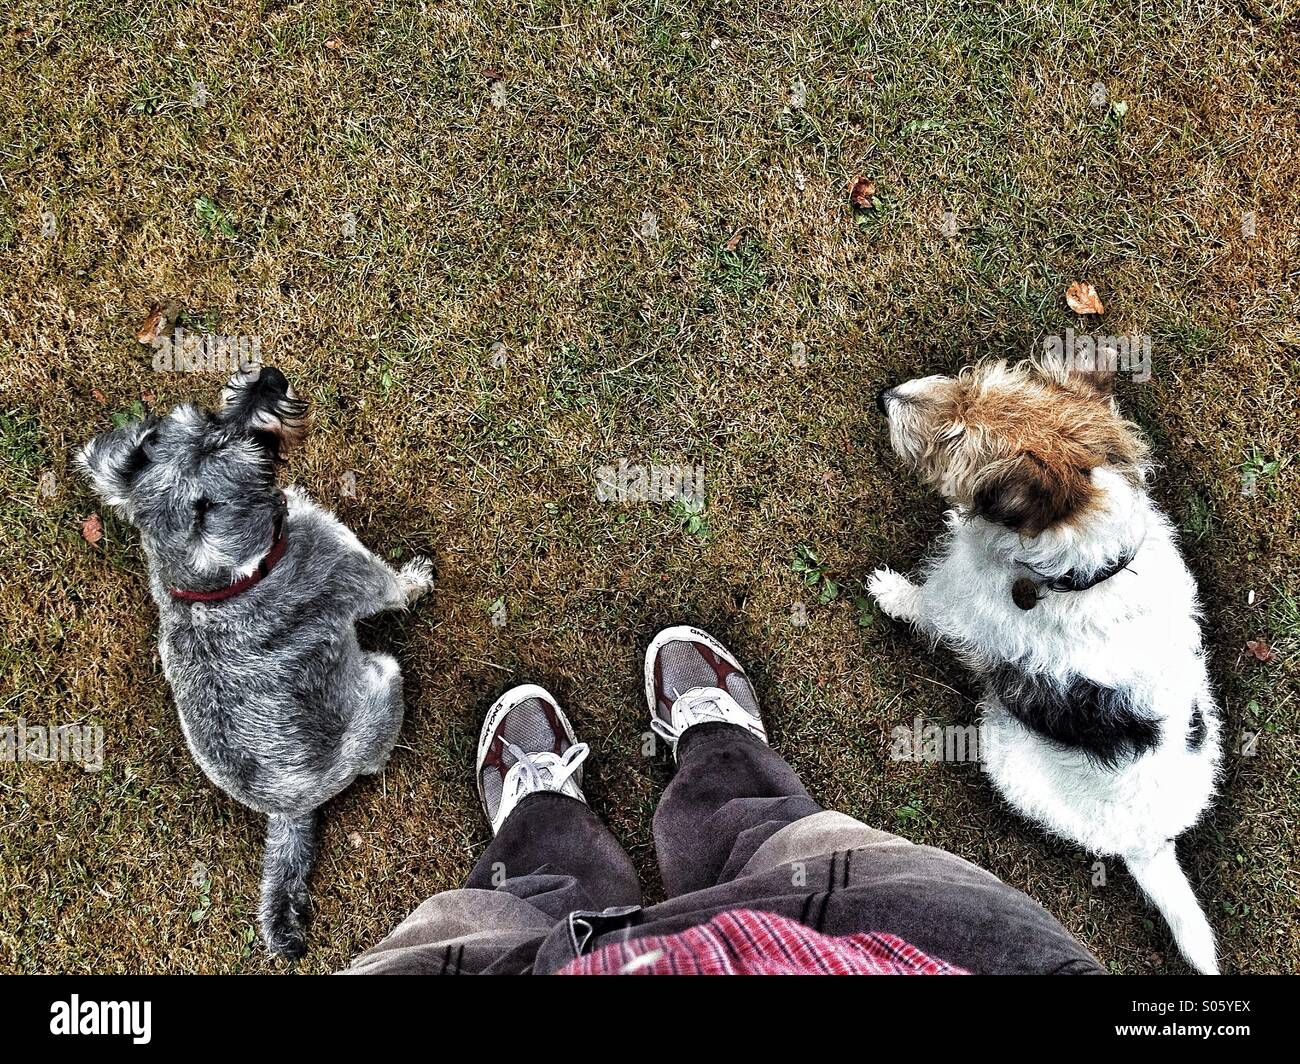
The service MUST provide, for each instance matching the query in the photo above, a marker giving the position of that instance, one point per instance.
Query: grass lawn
(646, 205)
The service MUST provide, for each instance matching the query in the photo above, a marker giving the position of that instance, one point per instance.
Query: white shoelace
(700, 706)
(545, 771)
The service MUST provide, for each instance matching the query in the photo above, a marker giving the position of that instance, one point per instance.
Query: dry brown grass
(519, 224)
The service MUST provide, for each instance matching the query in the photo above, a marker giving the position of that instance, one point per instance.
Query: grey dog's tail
(286, 864)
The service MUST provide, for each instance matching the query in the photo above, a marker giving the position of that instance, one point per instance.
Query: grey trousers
(734, 829)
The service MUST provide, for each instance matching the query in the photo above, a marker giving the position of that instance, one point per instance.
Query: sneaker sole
(680, 633)
(503, 705)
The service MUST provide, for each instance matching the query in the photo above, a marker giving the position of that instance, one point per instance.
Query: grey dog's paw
(416, 578)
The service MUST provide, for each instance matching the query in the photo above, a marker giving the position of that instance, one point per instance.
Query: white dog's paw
(416, 578)
(895, 594)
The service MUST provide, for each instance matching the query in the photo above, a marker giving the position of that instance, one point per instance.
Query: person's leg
(732, 792)
(839, 878)
(736, 829)
(550, 855)
(556, 853)
(549, 847)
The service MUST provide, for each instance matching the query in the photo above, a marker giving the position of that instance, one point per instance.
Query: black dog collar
(1025, 591)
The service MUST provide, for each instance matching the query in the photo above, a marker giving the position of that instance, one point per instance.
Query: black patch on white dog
(1082, 714)
(1196, 737)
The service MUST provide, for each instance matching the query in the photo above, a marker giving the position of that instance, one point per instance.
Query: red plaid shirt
(746, 942)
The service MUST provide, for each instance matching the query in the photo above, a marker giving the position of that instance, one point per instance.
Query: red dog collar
(263, 569)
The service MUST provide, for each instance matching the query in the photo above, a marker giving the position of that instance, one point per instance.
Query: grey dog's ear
(261, 402)
(112, 460)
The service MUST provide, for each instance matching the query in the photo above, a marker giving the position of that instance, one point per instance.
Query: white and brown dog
(1061, 585)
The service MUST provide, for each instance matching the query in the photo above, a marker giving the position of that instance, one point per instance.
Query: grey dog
(258, 593)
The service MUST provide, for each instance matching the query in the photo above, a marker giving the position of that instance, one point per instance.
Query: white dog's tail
(1164, 882)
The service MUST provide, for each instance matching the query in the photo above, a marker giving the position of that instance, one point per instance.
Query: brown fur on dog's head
(1014, 444)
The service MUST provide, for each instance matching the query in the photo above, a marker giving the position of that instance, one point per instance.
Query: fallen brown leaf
(1260, 648)
(863, 189)
(151, 326)
(92, 529)
(1083, 299)
(159, 322)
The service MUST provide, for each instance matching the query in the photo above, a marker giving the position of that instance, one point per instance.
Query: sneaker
(526, 745)
(691, 678)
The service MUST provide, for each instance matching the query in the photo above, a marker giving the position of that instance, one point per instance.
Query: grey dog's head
(200, 484)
